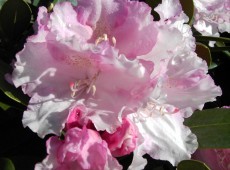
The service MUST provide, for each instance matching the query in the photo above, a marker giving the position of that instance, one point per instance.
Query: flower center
(83, 86)
(105, 38)
(101, 28)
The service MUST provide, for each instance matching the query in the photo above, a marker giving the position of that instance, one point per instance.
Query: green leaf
(188, 8)
(212, 127)
(204, 53)
(15, 17)
(192, 165)
(35, 2)
(6, 164)
(209, 38)
(4, 106)
(9, 90)
(213, 65)
(222, 44)
(1, 3)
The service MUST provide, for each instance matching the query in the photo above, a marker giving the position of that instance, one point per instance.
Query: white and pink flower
(106, 68)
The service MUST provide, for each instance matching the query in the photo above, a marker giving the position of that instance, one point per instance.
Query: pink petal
(123, 141)
(81, 149)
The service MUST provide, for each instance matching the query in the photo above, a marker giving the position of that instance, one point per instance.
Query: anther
(114, 41)
(102, 38)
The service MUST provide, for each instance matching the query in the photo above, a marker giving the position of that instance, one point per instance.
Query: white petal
(166, 138)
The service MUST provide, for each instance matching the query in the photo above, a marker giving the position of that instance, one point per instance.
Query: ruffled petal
(138, 29)
(64, 23)
(45, 116)
(40, 68)
(212, 17)
(84, 74)
(41, 71)
(81, 149)
(129, 88)
(138, 161)
(187, 84)
(119, 19)
(169, 9)
(165, 137)
(89, 11)
(123, 141)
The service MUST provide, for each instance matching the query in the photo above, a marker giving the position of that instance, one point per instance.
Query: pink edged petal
(40, 27)
(50, 162)
(89, 11)
(128, 24)
(64, 23)
(41, 71)
(162, 51)
(40, 68)
(137, 34)
(81, 149)
(42, 18)
(165, 137)
(181, 41)
(123, 141)
(187, 79)
(181, 76)
(129, 87)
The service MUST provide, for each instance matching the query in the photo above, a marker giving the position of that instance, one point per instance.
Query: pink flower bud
(123, 141)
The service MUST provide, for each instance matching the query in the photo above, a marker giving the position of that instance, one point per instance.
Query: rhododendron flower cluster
(114, 81)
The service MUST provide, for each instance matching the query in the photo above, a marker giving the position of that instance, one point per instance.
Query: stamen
(114, 41)
(102, 38)
(86, 85)
(94, 90)
(153, 109)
